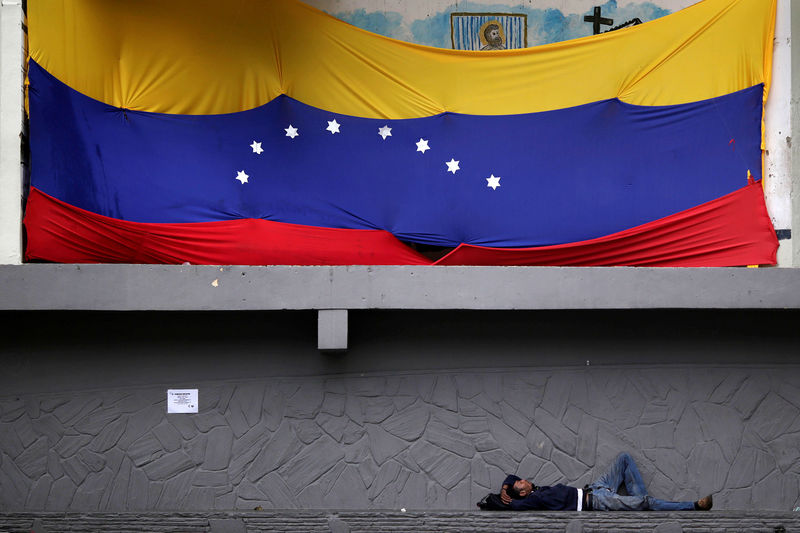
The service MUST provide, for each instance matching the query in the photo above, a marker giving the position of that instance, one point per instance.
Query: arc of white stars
(493, 182)
(291, 131)
(384, 132)
(452, 165)
(333, 126)
(256, 146)
(422, 145)
(242, 176)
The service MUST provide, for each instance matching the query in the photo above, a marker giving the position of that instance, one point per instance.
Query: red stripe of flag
(729, 231)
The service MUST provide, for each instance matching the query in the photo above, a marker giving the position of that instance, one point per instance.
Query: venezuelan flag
(271, 133)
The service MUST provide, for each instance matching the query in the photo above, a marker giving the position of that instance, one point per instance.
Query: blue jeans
(624, 470)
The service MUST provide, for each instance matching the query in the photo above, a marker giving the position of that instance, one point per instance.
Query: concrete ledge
(176, 287)
(330, 521)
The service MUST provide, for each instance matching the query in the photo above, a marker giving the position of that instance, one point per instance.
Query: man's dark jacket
(556, 498)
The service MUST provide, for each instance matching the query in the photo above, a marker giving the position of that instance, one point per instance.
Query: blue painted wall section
(544, 25)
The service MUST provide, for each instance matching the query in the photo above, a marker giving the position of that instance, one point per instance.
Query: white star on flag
(384, 132)
(452, 165)
(494, 182)
(333, 126)
(422, 145)
(241, 176)
(291, 131)
(256, 148)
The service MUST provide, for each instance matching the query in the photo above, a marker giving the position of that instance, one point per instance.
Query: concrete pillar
(795, 117)
(778, 169)
(332, 330)
(11, 112)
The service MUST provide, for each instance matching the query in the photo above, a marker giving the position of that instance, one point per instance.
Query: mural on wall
(488, 31)
(443, 26)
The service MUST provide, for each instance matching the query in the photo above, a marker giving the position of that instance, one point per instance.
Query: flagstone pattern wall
(405, 440)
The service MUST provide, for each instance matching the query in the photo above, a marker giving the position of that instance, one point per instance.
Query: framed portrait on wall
(488, 31)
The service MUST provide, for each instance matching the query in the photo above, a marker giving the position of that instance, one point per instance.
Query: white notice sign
(181, 400)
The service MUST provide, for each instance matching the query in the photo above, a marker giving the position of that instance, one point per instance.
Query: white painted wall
(778, 160)
(11, 61)
(418, 9)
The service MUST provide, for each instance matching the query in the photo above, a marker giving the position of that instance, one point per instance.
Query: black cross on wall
(597, 20)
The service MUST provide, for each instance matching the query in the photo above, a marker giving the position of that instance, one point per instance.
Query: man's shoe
(704, 504)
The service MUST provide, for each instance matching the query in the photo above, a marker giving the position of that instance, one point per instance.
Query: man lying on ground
(602, 495)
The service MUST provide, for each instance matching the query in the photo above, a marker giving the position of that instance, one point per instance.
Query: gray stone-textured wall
(426, 411)
(416, 441)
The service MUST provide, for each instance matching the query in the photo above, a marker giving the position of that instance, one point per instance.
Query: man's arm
(531, 502)
(556, 498)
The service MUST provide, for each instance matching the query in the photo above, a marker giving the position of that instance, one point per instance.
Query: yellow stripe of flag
(207, 57)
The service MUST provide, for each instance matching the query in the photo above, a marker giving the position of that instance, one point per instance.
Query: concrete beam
(178, 287)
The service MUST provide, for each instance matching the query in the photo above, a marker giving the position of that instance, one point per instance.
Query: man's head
(520, 489)
(492, 34)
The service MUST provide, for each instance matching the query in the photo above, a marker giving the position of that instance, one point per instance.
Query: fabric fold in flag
(167, 57)
(352, 150)
(697, 237)
(65, 234)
